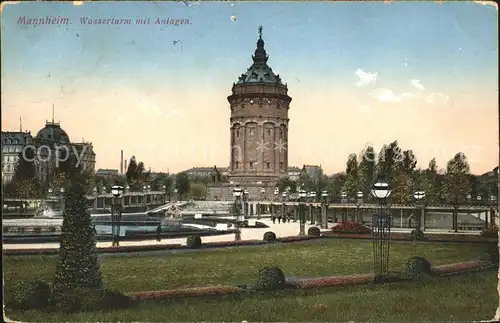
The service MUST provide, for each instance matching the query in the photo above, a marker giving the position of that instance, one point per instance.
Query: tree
(402, 187)
(351, 185)
(305, 181)
(285, 182)
(182, 183)
(25, 168)
(335, 184)
(78, 265)
(131, 170)
(388, 157)
(366, 170)
(197, 191)
(456, 183)
(60, 180)
(68, 164)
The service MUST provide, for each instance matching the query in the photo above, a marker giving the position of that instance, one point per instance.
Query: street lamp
(419, 201)
(324, 209)
(116, 213)
(381, 228)
(302, 212)
(176, 191)
(246, 194)
(469, 197)
(359, 201)
(146, 189)
(344, 197)
(164, 187)
(237, 192)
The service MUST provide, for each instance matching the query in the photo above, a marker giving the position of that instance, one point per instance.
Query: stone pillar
(311, 218)
(295, 213)
(259, 210)
(486, 214)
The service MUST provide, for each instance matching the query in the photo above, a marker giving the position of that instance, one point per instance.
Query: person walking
(273, 218)
(158, 233)
(279, 217)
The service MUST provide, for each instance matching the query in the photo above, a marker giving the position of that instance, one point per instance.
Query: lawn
(470, 297)
(239, 265)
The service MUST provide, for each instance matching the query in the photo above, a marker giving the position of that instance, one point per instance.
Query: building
(106, 172)
(206, 171)
(50, 143)
(294, 173)
(259, 104)
(314, 172)
(13, 143)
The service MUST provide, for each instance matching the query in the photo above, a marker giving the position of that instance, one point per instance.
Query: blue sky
(316, 47)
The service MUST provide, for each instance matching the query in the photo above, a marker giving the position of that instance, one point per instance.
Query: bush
(269, 236)
(492, 250)
(52, 229)
(417, 235)
(491, 232)
(313, 232)
(351, 227)
(37, 230)
(193, 242)
(29, 295)
(270, 278)
(87, 299)
(5, 229)
(418, 268)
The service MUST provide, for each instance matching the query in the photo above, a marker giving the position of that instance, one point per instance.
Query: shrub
(313, 232)
(52, 229)
(269, 236)
(491, 232)
(37, 230)
(418, 268)
(5, 229)
(351, 227)
(89, 299)
(417, 235)
(492, 251)
(29, 295)
(193, 242)
(270, 278)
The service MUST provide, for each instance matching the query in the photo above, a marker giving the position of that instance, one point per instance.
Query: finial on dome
(260, 32)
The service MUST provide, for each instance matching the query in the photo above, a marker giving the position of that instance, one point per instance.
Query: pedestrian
(158, 233)
(94, 230)
(279, 218)
(273, 218)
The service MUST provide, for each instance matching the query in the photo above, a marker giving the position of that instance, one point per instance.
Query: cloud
(386, 95)
(365, 78)
(417, 85)
(437, 97)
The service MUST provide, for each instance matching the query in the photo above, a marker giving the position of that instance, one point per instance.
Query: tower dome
(52, 133)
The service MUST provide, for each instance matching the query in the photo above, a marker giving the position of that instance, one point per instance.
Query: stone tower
(259, 126)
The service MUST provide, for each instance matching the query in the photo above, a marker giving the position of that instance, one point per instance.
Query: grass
(239, 265)
(470, 297)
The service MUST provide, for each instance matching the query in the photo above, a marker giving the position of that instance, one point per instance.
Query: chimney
(121, 162)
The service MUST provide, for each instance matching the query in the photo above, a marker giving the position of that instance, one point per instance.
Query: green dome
(52, 132)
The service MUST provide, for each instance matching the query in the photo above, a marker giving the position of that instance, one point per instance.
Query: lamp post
(246, 194)
(324, 209)
(262, 194)
(146, 189)
(493, 202)
(116, 213)
(381, 228)
(302, 212)
(62, 199)
(359, 201)
(237, 192)
(176, 192)
(344, 211)
(419, 202)
(479, 198)
(164, 187)
(311, 196)
(469, 198)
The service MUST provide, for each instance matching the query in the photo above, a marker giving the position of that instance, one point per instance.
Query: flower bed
(101, 250)
(233, 243)
(304, 283)
(187, 292)
(360, 236)
(351, 228)
(296, 238)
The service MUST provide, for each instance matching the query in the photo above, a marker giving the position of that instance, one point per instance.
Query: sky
(359, 74)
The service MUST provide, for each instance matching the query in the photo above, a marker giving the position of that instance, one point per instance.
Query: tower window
(281, 133)
(237, 133)
(252, 132)
(268, 165)
(236, 165)
(268, 131)
(251, 165)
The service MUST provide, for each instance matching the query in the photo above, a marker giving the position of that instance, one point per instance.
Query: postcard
(250, 161)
